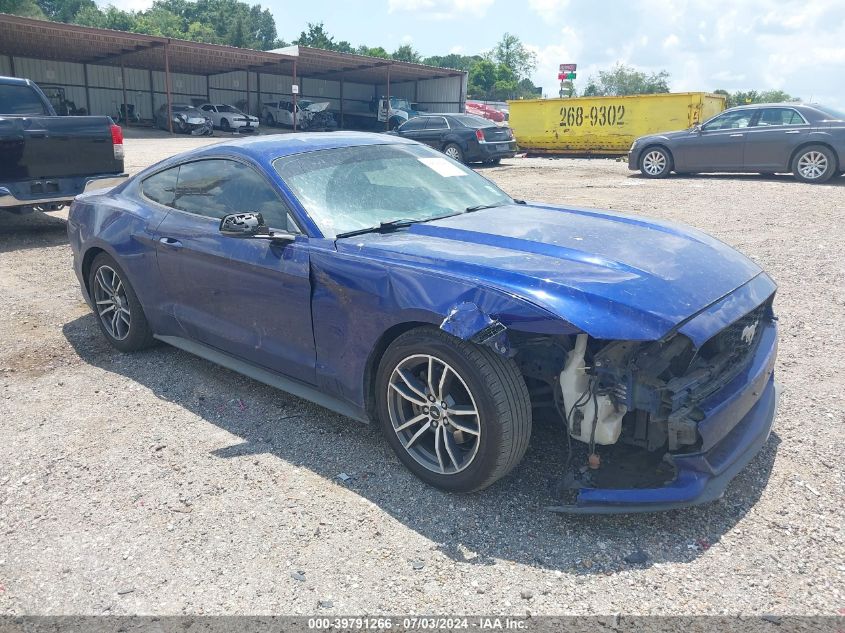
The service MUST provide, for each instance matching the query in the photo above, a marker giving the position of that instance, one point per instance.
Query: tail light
(479, 134)
(117, 141)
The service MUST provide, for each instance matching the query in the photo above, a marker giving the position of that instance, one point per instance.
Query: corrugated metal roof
(40, 39)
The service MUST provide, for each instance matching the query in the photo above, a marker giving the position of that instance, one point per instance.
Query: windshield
(226, 108)
(352, 188)
(831, 113)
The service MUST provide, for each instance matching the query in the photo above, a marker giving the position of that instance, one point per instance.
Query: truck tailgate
(42, 147)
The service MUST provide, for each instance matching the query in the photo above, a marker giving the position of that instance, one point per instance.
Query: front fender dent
(468, 322)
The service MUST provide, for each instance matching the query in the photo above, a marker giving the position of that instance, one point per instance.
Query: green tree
(25, 8)
(482, 78)
(406, 53)
(199, 32)
(64, 10)
(624, 80)
(375, 51)
(91, 16)
(453, 60)
(316, 36)
(744, 97)
(158, 21)
(511, 52)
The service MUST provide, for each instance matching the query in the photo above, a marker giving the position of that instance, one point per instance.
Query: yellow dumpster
(605, 125)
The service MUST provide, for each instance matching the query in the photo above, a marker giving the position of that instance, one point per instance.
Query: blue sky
(797, 46)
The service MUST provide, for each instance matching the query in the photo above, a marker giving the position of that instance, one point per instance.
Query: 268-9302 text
(596, 116)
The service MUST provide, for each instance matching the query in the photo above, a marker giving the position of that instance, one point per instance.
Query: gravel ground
(157, 483)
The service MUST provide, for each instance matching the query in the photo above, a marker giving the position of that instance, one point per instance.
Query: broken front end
(656, 425)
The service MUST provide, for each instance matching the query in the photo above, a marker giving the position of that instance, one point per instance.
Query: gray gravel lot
(157, 483)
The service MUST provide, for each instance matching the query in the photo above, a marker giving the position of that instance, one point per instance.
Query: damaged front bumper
(740, 415)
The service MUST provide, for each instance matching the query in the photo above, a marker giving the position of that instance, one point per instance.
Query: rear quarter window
(161, 187)
(18, 99)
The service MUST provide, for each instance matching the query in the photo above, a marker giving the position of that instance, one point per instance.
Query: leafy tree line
(624, 80)
(501, 73)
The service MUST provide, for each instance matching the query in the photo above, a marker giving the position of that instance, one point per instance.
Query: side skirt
(293, 387)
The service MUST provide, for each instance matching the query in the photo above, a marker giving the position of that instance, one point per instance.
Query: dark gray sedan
(807, 140)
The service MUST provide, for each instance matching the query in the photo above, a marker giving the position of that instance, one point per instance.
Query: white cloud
(440, 9)
(754, 44)
(548, 9)
(457, 50)
(671, 41)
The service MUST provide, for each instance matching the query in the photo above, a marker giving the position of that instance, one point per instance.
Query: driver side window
(730, 121)
(215, 188)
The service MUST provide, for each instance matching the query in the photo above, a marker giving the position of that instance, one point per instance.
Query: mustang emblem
(748, 333)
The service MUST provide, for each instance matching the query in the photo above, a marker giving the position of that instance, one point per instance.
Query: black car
(465, 137)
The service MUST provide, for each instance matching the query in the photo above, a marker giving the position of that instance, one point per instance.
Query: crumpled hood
(611, 275)
(317, 107)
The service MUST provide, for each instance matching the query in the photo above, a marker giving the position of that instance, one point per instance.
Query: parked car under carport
(186, 120)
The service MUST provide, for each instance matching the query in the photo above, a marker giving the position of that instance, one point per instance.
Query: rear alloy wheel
(815, 164)
(655, 163)
(456, 414)
(454, 152)
(117, 309)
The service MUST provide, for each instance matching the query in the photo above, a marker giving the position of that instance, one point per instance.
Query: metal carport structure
(104, 67)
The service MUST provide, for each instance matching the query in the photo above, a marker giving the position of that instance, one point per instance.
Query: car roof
(14, 81)
(271, 147)
(757, 106)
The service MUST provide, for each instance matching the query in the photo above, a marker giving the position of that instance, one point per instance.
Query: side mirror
(251, 225)
(696, 129)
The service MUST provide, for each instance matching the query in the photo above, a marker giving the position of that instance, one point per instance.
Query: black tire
(495, 386)
(496, 161)
(139, 335)
(807, 162)
(395, 123)
(224, 125)
(656, 162)
(454, 151)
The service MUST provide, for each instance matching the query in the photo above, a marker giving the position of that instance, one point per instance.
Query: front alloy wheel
(656, 163)
(433, 413)
(457, 415)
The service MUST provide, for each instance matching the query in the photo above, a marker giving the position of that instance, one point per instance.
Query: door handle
(169, 241)
(736, 135)
(793, 132)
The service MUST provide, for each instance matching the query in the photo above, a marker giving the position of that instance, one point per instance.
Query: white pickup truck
(376, 112)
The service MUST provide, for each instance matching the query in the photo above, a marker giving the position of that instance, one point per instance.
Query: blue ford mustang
(383, 280)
